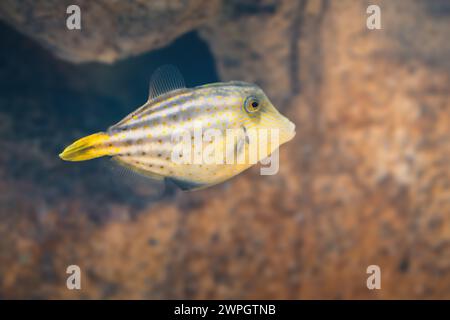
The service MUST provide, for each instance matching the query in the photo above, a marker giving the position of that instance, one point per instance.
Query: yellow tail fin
(87, 148)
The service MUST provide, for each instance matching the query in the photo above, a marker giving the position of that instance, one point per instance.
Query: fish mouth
(289, 131)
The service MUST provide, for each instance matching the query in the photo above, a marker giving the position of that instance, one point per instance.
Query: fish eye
(252, 105)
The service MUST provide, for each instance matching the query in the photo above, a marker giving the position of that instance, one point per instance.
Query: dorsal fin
(165, 79)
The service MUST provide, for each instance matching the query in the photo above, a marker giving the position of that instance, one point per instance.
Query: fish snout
(288, 131)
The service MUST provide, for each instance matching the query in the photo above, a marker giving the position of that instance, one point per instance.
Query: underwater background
(366, 180)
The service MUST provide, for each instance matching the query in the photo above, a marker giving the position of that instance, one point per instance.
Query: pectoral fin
(239, 145)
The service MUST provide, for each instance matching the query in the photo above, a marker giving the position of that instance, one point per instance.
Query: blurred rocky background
(365, 181)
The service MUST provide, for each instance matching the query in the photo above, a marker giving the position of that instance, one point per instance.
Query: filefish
(143, 141)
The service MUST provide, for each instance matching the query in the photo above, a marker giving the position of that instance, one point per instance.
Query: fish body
(144, 140)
